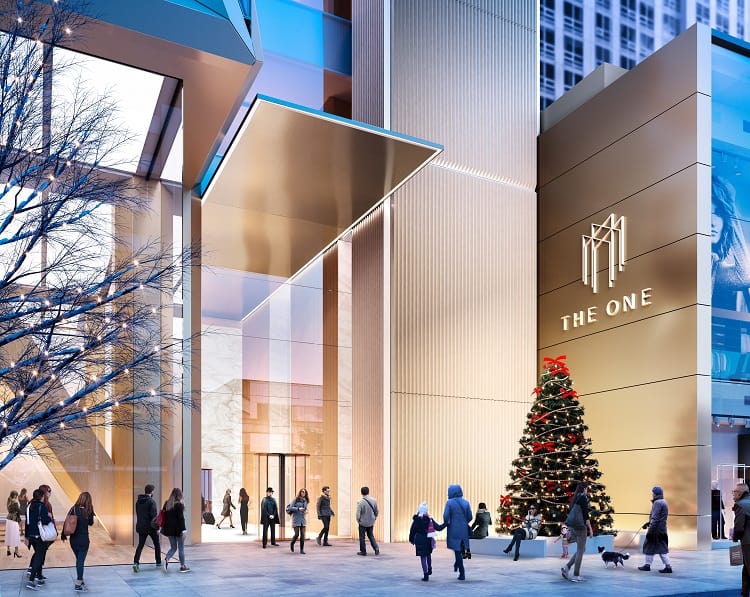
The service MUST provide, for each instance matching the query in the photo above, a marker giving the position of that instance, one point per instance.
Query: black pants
(299, 533)
(717, 524)
(518, 536)
(745, 571)
(326, 520)
(154, 534)
(266, 526)
(243, 516)
(37, 560)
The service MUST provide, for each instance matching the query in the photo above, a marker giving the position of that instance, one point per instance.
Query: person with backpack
(37, 513)
(297, 509)
(76, 528)
(367, 514)
(146, 512)
(174, 528)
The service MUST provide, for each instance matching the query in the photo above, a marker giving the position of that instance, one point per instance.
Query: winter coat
(418, 535)
(297, 510)
(324, 506)
(268, 507)
(145, 514)
(742, 519)
(530, 525)
(656, 537)
(228, 505)
(481, 526)
(174, 520)
(367, 511)
(14, 511)
(457, 516)
(80, 538)
(37, 511)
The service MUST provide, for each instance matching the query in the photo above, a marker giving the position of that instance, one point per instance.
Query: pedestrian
(657, 541)
(37, 513)
(563, 536)
(480, 528)
(297, 509)
(457, 516)
(580, 500)
(145, 525)
(269, 517)
(23, 504)
(741, 531)
(717, 512)
(83, 510)
(226, 510)
(528, 530)
(422, 527)
(367, 514)
(46, 494)
(13, 525)
(324, 514)
(174, 528)
(244, 501)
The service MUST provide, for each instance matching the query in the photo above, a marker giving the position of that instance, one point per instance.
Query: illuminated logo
(610, 236)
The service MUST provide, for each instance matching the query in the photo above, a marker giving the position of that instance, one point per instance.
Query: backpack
(71, 522)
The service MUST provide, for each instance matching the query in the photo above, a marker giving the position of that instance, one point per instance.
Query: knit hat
(422, 510)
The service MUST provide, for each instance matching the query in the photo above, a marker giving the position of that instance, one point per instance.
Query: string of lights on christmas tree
(554, 455)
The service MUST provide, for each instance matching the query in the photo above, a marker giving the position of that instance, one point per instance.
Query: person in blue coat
(457, 517)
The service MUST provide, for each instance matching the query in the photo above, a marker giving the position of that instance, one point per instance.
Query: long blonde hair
(174, 498)
(13, 497)
(84, 501)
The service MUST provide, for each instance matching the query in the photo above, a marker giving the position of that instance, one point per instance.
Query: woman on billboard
(730, 265)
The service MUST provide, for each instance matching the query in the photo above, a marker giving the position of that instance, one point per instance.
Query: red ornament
(572, 437)
(539, 446)
(508, 520)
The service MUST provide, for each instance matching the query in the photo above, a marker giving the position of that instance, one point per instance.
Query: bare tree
(80, 317)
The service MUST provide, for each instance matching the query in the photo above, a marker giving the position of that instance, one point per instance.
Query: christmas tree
(554, 455)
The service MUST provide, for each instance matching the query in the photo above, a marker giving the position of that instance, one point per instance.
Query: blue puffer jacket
(457, 517)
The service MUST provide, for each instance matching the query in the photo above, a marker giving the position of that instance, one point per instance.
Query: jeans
(326, 520)
(154, 534)
(581, 535)
(80, 552)
(177, 544)
(458, 565)
(366, 531)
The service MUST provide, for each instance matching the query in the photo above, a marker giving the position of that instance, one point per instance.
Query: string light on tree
(554, 454)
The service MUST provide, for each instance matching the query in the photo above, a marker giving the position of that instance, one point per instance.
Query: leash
(633, 539)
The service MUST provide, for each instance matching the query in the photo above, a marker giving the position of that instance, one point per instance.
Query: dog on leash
(613, 557)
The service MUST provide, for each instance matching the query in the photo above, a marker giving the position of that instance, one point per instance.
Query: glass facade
(730, 278)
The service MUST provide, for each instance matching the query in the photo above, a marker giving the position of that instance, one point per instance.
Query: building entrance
(286, 474)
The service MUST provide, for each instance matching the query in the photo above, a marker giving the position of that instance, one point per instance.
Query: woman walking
(37, 513)
(83, 510)
(226, 511)
(297, 509)
(580, 499)
(457, 517)
(657, 540)
(13, 525)
(174, 528)
(244, 501)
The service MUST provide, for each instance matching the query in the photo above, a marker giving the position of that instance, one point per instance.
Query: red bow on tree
(550, 485)
(536, 391)
(505, 500)
(572, 437)
(568, 393)
(539, 418)
(556, 365)
(522, 472)
(538, 446)
(508, 519)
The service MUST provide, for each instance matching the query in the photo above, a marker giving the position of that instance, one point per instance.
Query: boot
(645, 567)
(666, 570)
(426, 577)
(467, 554)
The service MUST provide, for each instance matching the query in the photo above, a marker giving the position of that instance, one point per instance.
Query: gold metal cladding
(311, 174)
(611, 234)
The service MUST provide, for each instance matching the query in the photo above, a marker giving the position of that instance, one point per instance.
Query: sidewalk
(224, 569)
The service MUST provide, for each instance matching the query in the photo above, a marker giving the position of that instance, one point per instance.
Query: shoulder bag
(71, 523)
(47, 532)
(160, 518)
(574, 520)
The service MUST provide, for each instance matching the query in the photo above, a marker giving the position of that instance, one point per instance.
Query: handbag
(71, 523)
(735, 555)
(47, 532)
(160, 518)
(575, 518)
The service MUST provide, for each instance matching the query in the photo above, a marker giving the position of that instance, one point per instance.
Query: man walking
(269, 517)
(367, 513)
(324, 514)
(145, 526)
(741, 531)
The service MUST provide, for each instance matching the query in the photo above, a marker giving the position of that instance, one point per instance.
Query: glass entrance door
(286, 474)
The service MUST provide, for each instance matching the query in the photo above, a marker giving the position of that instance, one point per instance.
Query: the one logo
(610, 235)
